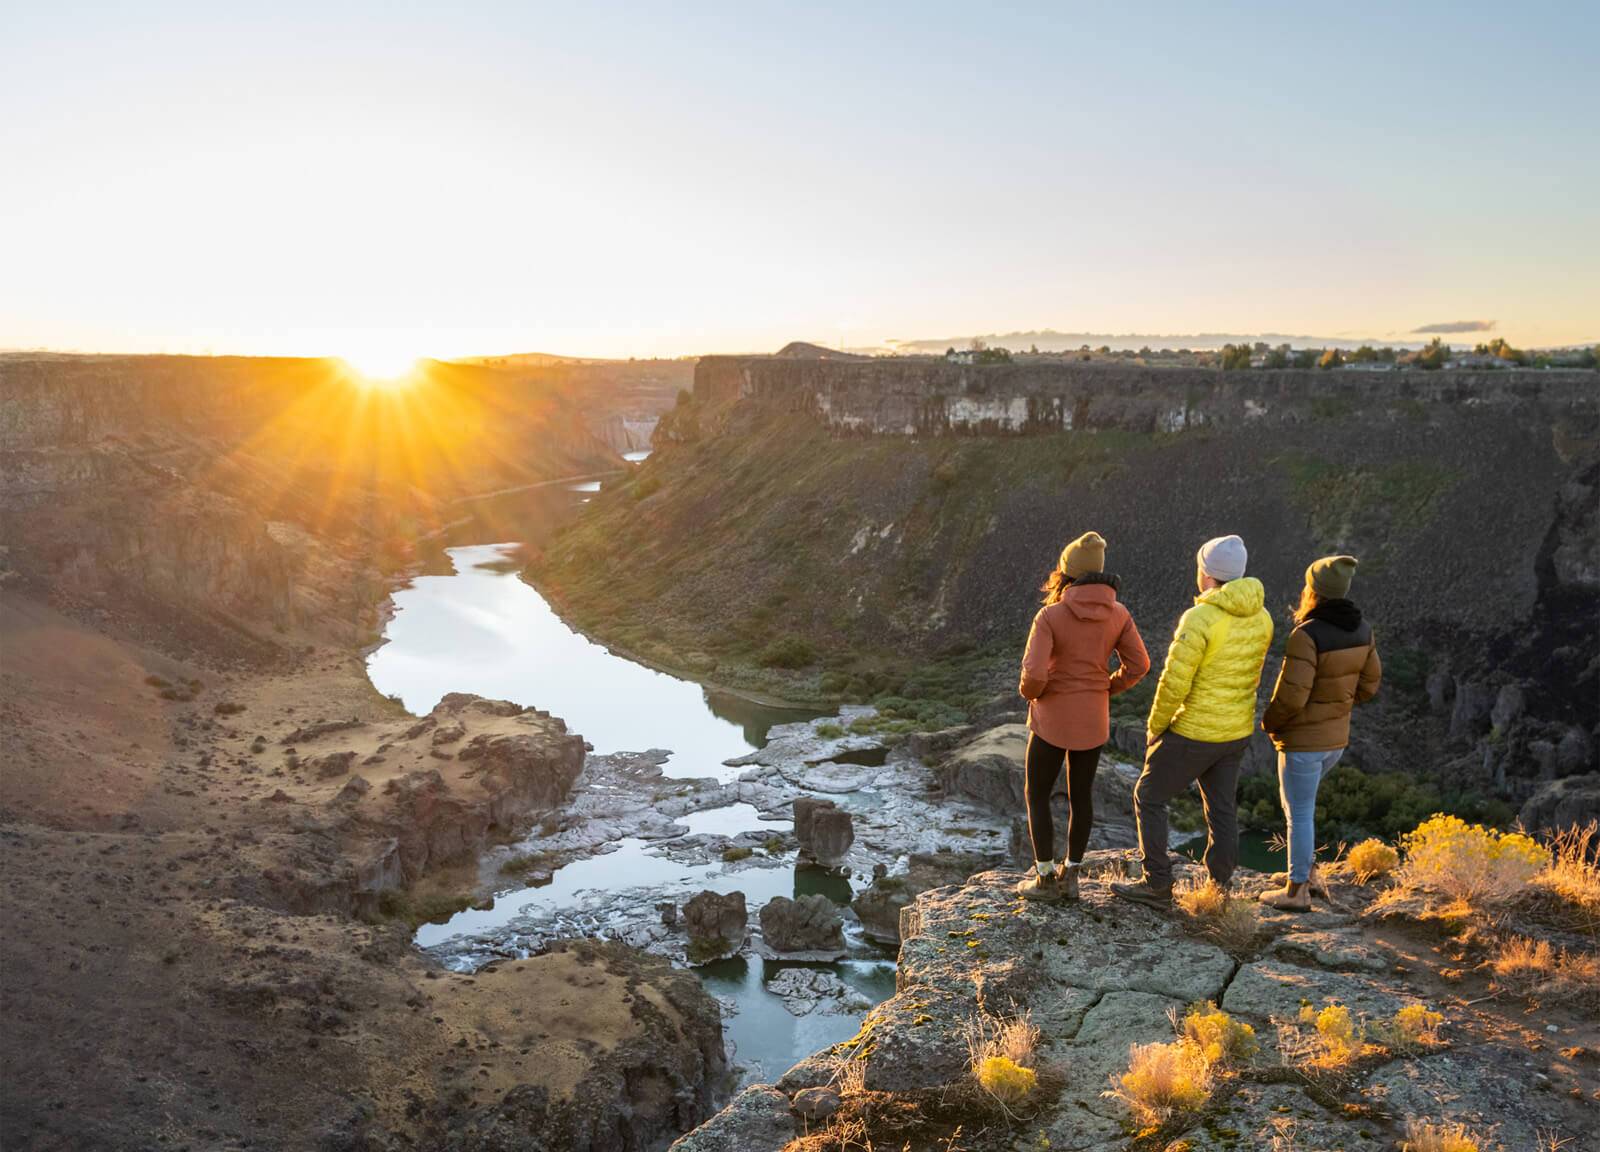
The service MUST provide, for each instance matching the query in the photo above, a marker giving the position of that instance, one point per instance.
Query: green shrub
(788, 652)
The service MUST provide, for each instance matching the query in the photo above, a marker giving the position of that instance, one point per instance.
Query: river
(484, 630)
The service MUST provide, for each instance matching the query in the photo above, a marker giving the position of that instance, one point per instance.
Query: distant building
(965, 356)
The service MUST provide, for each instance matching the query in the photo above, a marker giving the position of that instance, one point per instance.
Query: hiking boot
(1319, 886)
(1067, 876)
(1291, 897)
(1144, 893)
(1037, 887)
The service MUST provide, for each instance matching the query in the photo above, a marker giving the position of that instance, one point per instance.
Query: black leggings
(1044, 769)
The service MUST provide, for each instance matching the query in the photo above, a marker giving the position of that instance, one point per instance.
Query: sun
(380, 367)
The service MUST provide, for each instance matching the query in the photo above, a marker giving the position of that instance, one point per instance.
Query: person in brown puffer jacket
(1330, 664)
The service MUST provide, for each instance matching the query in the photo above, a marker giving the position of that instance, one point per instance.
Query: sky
(421, 179)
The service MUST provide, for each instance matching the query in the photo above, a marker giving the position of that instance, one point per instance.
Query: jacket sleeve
(1295, 679)
(1036, 658)
(1371, 675)
(1132, 660)
(1183, 659)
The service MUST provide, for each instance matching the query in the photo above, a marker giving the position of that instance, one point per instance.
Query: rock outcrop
(824, 830)
(810, 925)
(1102, 975)
(716, 924)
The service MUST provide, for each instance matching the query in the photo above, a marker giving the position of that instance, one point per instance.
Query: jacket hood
(1090, 600)
(1340, 613)
(1242, 597)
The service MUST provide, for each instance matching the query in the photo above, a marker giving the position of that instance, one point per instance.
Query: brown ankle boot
(1037, 887)
(1291, 897)
(1067, 875)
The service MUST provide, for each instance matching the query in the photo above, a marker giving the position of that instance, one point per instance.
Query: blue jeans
(1299, 773)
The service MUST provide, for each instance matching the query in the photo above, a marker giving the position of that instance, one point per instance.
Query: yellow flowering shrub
(1163, 1079)
(1339, 1036)
(1468, 861)
(1219, 1038)
(1370, 859)
(1414, 1026)
(1005, 1079)
(1422, 1137)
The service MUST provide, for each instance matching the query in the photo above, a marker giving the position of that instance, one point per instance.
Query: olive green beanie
(1084, 555)
(1330, 577)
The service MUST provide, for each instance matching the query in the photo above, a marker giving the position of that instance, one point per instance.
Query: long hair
(1055, 585)
(1308, 604)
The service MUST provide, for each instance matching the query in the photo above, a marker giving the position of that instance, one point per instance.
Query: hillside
(878, 528)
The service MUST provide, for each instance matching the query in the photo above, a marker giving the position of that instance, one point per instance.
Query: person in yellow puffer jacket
(1202, 718)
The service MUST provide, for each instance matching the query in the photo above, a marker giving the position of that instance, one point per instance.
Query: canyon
(252, 901)
(919, 503)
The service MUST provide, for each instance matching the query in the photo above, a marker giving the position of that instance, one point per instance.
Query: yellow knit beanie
(1084, 555)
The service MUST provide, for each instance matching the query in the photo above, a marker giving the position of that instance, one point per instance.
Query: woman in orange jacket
(1068, 685)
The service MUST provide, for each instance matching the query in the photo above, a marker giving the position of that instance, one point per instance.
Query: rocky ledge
(381, 805)
(1098, 976)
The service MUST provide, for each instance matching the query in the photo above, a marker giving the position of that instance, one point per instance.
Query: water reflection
(487, 632)
(767, 1040)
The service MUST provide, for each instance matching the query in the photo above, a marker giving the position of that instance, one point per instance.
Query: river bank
(208, 937)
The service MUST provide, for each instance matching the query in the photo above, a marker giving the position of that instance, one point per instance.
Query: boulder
(716, 924)
(331, 765)
(1575, 753)
(1574, 800)
(879, 905)
(1471, 710)
(825, 831)
(815, 1105)
(1508, 705)
(757, 1120)
(809, 924)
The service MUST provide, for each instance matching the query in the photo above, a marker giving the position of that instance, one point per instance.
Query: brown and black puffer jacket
(1330, 664)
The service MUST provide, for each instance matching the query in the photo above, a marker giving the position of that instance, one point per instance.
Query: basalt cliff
(875, 528)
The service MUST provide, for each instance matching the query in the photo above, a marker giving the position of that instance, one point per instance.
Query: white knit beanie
(1223, 558)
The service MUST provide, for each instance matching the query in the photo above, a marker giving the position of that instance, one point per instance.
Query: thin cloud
(1446, 327)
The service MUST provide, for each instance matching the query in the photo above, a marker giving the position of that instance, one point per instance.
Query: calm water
(1255, 850)
(489, 633)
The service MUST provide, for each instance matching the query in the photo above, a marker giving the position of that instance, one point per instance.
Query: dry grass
(1439, 1138)
(1569, 888)
(1232, 924)
(849, 1075)
(1537, 970)
(1163, 1080)
(1000, 1054)
(1369, 860)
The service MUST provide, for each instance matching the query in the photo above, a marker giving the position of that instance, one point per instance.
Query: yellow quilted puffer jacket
(1208, 688)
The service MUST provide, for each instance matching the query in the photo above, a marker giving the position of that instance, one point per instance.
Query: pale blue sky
(444, 179)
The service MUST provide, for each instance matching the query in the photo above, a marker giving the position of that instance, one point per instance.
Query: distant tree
(1278, 357)
(978, 344)
(1145, 351)
(949, 353)
(992, 356)
(1331, 358)
(1365, 354)
(1105, 349)
(1305, 358)
(1033, 349)
(1259, 347)
(1235, 357)
(1433, 356)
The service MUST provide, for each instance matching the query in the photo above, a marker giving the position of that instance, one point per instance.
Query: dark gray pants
(1171, 764)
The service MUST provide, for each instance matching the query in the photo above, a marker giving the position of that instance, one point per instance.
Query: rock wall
(932, 398)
